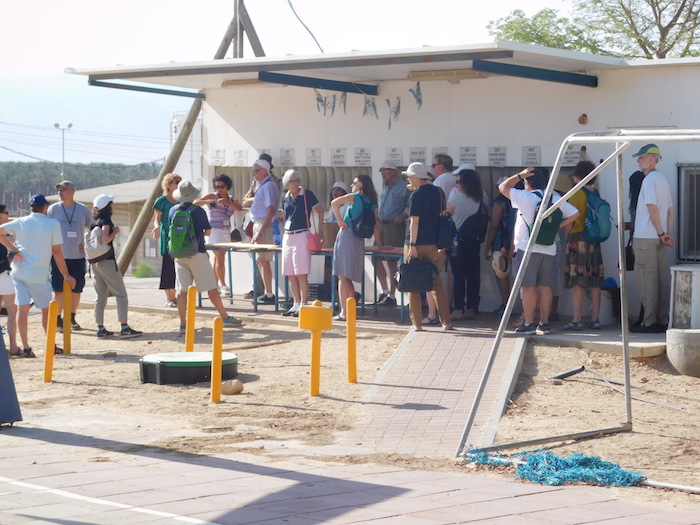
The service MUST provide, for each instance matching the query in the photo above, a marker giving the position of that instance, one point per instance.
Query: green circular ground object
(184, 367)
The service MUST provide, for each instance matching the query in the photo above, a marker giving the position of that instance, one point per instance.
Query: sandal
(16, 353)
(339, 317)
(27, 352)
(594, 324)
(447, 327)
(430, 321)
(574, 326)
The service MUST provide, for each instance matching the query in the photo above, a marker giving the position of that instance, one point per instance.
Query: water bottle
(455, 246)
(276, 233)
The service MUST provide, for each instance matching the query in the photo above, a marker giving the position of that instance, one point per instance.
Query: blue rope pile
(547, 468)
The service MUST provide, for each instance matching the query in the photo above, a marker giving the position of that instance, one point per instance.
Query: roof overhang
(344, 70)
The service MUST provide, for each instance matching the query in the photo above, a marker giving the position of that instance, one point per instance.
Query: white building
(500, 105)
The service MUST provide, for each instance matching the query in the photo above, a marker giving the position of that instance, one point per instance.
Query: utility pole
(63, 144)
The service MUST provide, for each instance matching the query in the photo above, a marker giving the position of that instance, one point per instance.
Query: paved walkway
(418, 404)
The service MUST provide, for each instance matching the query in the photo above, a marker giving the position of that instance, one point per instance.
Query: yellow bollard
(315, 318)
(50, 341)
(189, 323)
(217, 343)
(67, 307)
(351, 321)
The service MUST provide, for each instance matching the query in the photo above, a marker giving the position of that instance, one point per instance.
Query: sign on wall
(363, 157)
(339, 156)
(417, 154)
(240, 157)
(498, 156)
(287, 157)
(395, 155)
(313, 157)
(532, 155)
(467, 154)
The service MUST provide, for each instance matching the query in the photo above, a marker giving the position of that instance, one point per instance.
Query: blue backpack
(598, 223)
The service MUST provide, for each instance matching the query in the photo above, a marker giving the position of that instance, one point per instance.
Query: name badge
(72, 235)
(227, 222)
(288, 224)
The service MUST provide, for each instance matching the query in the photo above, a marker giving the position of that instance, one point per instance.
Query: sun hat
(418, 170)
(102, 200)
(500, 265)
(465, 166)
(186, 191)
(649, 148)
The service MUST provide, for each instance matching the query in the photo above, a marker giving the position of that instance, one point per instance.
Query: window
(688, 214)
(150, 248)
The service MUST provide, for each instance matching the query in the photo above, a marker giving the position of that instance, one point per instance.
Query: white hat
(388, 165)
(262, 163)
(417, 169)
(340, 184)
(102, 200)
(186, 191)
(500, 265)
(465, 166)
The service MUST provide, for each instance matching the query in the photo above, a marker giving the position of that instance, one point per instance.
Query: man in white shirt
(542, 272)
(653, 225)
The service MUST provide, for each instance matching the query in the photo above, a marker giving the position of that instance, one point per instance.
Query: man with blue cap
(653, 225)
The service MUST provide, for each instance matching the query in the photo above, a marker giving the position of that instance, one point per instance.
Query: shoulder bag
(314, 239)
(446, 227)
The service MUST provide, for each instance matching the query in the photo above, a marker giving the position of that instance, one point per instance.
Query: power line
(305, 26)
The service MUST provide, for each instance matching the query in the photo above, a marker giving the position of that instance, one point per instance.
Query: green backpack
(550, 226)
(182, 240)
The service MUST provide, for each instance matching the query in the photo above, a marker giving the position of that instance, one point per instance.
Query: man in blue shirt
(37, 239)
(392, 228)
(197, 268)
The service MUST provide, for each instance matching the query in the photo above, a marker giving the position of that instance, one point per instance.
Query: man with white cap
(653, 225)
(196, 268)
(37, 239)
(74, 219)
(392, 228)
(263, 210)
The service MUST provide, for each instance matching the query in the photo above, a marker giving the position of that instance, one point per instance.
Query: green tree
(621, 28)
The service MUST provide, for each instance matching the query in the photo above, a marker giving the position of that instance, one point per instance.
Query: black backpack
(363, 226)
(474, 228)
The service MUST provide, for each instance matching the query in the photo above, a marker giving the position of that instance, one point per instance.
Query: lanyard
(70, 218)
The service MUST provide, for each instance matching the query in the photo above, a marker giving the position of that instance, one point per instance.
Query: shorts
(296, 257)
(196, 269)
(7, 287)
(26, 291)
(391, 235)
(218, 235)
(76, 269)
(541, 269)
(264, 238)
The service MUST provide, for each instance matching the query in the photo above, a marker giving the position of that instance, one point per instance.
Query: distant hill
(20, 180)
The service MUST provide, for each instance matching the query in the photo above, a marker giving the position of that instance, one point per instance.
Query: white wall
(497, 111)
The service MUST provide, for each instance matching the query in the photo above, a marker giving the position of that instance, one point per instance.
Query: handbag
(629, 256)
(416, 276)
(235, 233)
(313, 240)
(248, 230)
(446, 226)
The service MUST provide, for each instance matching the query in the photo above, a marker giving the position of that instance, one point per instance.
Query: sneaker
(224, 290)
(129, 333)
(183, 328)
(103, 332)
(500, 310)
(543, 329)
(266, 299)
(232, 321)
(526, 329)
(248, 295)
(171, 304)
(382, 297)
(389, 301)
(289, 312)
(75, 326)
(59, 325)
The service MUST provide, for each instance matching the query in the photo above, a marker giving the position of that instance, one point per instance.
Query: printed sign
(287, 157)
(313, 157)
(363, 157)
(532, 155)
(395, 155)
(339, 156)
(498, 156)
(417, 155)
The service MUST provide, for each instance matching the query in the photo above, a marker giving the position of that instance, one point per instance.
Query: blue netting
(547, 468)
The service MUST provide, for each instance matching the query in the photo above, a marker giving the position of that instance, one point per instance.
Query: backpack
(363, 226)
(182, 240)
(550, 226)
(598, 224)
(94, 249)
(474, 228)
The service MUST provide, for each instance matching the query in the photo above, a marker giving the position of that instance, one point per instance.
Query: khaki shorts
(196, 269)
(264, 238)
(391, 235)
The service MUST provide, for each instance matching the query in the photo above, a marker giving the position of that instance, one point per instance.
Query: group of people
(42, 250)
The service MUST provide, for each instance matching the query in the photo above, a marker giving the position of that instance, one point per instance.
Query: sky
(41, 38)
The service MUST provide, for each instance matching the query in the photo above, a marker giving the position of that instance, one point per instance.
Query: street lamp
(63, 143)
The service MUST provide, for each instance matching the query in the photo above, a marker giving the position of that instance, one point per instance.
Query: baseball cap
(340, 184)
(464, 166)
(388, 165)
(65, 184)
(649, 148)
(37, 201)
(102, 200)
